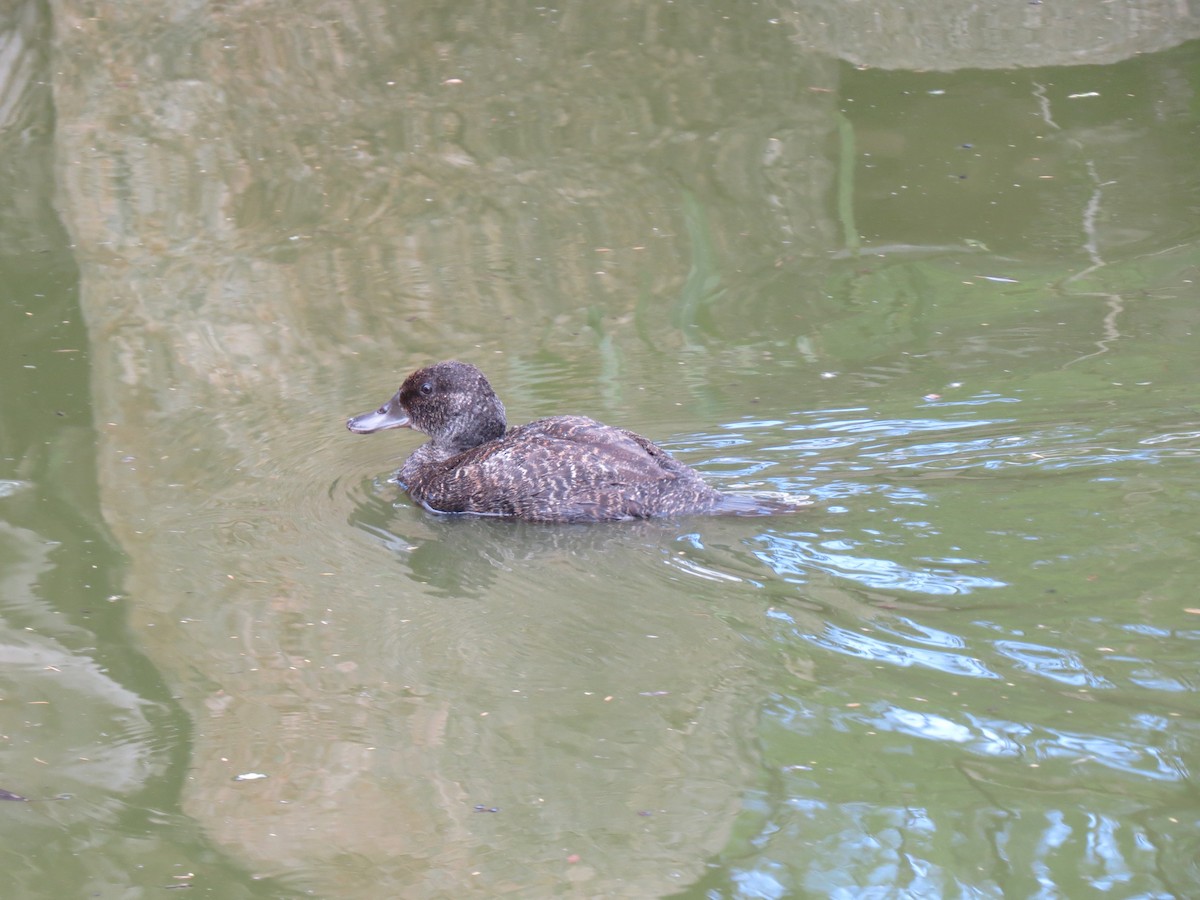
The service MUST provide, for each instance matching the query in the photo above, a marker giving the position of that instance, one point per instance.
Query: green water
(936, 269)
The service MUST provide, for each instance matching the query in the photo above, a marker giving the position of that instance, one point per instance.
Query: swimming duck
(560, 469)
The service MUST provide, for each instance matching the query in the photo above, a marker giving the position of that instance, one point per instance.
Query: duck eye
(427, 388)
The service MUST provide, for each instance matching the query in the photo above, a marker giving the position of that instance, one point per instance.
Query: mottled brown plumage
(560, 469)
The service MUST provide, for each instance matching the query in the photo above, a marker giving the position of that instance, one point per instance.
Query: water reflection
(1019, 740)
(868, 647)
(463, 555)
(84, 747)
(655, 215)
(797, 556)
(1051, 662)
(896, 851)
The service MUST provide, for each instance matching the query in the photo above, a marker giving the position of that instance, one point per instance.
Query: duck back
(560, 469)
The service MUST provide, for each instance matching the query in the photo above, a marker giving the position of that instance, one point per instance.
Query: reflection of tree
(957, 34)
(442, 136)
(92, 736)
(26, 119)
(270, 200)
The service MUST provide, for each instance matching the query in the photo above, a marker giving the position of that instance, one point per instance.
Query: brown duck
(560, 469)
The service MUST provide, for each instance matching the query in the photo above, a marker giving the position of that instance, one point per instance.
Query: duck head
(450, 401)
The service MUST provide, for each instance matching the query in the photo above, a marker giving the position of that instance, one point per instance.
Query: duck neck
(481, 422)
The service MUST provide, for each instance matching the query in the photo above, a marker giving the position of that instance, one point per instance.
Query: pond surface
(940, 277)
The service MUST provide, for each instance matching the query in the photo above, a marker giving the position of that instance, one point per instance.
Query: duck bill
(390, 415)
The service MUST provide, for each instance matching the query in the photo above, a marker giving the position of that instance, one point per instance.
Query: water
(955, 307)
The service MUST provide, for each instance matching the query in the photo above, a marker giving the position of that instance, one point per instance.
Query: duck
(561, 469)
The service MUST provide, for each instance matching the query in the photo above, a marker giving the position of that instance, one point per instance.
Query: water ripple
(1019, 740)
(1054, 663)
(865, 646)
(794, 557)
